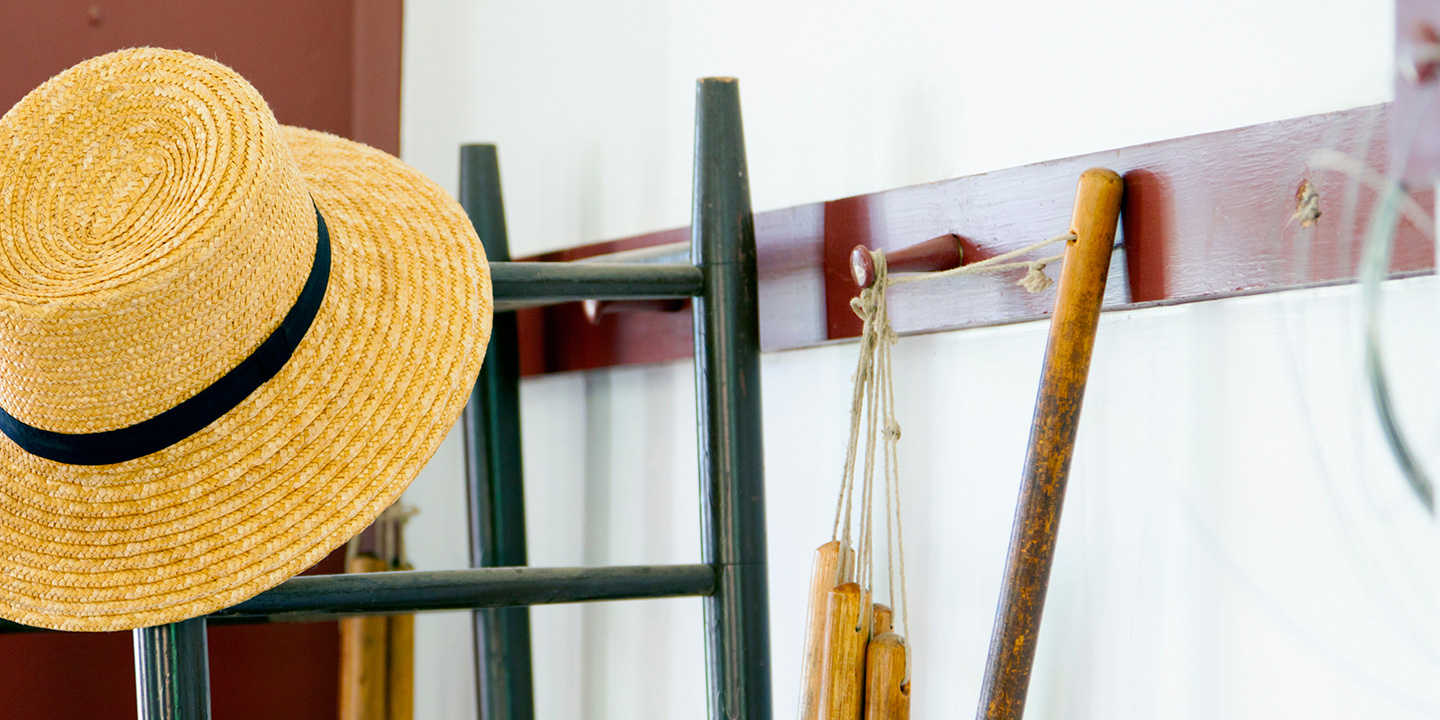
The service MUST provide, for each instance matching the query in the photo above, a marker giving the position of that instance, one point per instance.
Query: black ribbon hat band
(195, 413)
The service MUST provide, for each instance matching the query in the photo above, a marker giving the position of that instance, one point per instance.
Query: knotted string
(865, 306)
(872, 403)
(1034, 281)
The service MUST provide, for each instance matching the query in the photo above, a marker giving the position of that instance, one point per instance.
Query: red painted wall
(331, 65)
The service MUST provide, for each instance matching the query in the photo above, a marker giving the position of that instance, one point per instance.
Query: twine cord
(872, 404)
(1034, 281)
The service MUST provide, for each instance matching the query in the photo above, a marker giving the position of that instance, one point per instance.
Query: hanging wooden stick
(887, 657)
(882, 619)
(887, 687)
(1052, 442)
(847, 631)
(822, 581)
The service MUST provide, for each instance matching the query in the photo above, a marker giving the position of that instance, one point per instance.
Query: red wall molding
(1205, 217)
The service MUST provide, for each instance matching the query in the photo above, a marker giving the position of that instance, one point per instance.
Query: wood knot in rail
(1307, 204)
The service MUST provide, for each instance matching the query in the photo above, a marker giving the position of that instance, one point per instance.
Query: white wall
(1236, 541)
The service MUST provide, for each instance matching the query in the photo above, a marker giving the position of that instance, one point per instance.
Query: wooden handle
(400, 694)
(887, 693)
(847, 630)
(822, 581)
(363, 661)
(1052, 442)
(882, 620)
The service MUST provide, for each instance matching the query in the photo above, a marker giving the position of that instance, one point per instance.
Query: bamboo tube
(822, 581)
(1052, 442)
(400, 695)
(847, 630)
(887, 691)
(363, 658)
(882, 620)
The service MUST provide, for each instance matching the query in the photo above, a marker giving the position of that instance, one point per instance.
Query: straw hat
(225, 345)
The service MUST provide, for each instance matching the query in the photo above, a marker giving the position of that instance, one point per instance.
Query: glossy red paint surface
(331, 65)
(1204, 217)
(1416, 113)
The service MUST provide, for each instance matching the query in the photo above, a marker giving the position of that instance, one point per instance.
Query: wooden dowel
(937, 253)
(881, 620)
(847, 630)
(1052, 442)
(887, 690)
(400, 695)
(822, 581)
(363, 656)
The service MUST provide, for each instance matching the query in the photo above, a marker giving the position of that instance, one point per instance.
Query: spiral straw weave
(156, 223)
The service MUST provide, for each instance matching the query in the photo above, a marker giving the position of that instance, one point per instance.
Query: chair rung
(527, 284)
(323, 597)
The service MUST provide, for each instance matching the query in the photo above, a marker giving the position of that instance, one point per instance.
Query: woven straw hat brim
(306, 461)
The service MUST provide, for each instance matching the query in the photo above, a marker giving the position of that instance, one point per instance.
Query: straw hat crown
(154, 231)
(163, 242)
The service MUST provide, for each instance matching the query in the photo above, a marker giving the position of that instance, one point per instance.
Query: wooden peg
(822, 581)
(882, 620)
(847, 630)
(937, 253)
(1052, 443)
(887, 690)
(595, 309)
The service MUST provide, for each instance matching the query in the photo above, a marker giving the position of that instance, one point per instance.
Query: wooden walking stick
(1052, 442)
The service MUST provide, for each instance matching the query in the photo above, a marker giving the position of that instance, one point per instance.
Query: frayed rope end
(1035, 280)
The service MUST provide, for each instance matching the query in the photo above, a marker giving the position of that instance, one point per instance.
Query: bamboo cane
(363, 656)
(822, 581)
(1052, 442)
(847, 630)
(887, 690)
